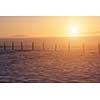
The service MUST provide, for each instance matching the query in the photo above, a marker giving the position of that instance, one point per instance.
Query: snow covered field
(49, 66)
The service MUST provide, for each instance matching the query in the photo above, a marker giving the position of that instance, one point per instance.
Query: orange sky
(46, 26)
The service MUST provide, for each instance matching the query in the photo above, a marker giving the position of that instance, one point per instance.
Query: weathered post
(0, 46)
(56, 47)
(33, 46)
(21, 45)
(13, 46)
(98, 48)
(83, 48)
(4, 46)
(43, 46)
(69, 48)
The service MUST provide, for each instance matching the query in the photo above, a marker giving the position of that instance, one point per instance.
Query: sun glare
(73, 30)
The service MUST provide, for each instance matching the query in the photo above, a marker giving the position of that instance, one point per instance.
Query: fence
(12, 47)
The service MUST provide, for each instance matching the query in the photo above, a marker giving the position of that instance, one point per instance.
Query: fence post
(4, 46)
(56, 47)
(12, 45)
(21, 45)
(83, 48)
(43, 46)
(98, 48)
(33, 46)
(69, 48)
(0, 46)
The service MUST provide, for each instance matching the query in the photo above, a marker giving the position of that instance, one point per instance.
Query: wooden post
(98, 48)
(12, 45)
(0, 46)
(83, 48)
(4, 46)
(33, 46)
(43, 46)
(21, 45)
(56, 47)
(69, 48)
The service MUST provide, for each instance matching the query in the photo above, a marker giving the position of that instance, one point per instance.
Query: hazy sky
(46, 26)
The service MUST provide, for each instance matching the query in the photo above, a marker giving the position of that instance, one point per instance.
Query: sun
(73, 31)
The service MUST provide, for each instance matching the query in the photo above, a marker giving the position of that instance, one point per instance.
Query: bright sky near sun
(48, 26)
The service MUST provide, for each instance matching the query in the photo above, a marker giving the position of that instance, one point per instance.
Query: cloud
(20, 36)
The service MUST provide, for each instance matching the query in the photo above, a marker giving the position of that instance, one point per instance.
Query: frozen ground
(49, 66)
